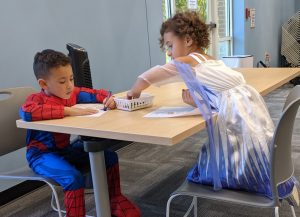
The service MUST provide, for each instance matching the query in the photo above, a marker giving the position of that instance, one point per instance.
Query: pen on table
(108, 96)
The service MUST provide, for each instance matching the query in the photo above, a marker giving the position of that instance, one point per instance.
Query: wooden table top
(131, 126)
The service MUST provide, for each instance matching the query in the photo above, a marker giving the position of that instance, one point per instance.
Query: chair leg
(58, 209)
(168, 205)
(191, 207)
(293, 211)
(276, 211)
(55, 208)
(195, 206)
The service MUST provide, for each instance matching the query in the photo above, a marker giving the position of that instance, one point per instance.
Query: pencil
(108, 96)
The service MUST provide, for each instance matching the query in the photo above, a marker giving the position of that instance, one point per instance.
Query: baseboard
(18, 190)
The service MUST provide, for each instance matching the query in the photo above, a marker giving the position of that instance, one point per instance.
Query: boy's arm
(35, 109)
(87, 95)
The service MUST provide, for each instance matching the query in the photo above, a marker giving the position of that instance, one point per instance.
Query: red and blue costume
(53, 156)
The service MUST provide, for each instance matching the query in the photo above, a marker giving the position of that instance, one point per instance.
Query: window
(225, 27)
(217, 12)
(171, 6)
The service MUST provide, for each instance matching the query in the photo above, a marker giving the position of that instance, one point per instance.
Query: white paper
(192, 4)
(97, 106)
(169, 112)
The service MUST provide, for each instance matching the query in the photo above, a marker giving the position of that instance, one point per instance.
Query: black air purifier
(80, 66)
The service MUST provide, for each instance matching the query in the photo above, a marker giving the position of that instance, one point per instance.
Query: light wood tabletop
(265, 80)
(132, 126)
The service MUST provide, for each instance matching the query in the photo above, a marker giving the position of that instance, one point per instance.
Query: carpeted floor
(150, 173)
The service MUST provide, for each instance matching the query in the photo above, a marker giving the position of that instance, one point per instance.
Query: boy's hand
(187, 98)
(109, 103)
(69, 111)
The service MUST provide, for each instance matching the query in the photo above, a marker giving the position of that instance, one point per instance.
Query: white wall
(266, 36)
(121, 38)
(115, 34)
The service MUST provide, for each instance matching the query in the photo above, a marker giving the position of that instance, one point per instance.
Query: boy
(51, 154)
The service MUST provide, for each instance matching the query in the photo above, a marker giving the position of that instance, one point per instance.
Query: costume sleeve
(34, 109)
(160, 75)
(87, 95)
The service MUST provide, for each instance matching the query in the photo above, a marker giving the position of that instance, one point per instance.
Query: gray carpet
(150, 173)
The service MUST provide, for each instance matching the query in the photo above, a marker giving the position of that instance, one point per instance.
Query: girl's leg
(55, 167)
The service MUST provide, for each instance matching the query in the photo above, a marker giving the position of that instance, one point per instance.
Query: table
(131, 126)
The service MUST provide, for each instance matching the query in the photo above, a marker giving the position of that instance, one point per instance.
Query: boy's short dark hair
(48, 59)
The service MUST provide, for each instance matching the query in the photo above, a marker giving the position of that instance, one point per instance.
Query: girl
(237, 154)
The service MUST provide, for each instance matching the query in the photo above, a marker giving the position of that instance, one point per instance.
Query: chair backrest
(282, 165)
(294, 93)
(12, 138)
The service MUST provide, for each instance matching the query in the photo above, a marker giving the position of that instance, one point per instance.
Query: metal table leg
(96, 147)
(100, 186)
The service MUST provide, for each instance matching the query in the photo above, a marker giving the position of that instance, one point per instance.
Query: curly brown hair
(183, 24)
(48, 59)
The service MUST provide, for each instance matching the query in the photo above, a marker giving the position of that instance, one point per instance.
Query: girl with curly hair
(237, 154)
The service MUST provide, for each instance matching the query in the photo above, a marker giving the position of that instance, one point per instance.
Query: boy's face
(60, 82)
(175, 46)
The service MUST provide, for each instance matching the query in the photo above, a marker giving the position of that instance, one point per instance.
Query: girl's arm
(157, 75)
(140, 85)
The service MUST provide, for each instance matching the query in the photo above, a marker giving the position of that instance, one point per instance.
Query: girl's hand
(137, 88)
(69, 111)
(109, 103)
(132, 94)
(187, 98)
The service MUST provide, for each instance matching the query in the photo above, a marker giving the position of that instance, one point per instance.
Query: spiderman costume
(53, 156)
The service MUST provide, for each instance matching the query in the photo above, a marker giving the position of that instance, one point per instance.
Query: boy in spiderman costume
(51, 154)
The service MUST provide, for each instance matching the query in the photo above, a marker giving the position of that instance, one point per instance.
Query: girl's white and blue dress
(237, 154)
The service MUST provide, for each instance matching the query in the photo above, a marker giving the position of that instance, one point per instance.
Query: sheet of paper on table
(95, 106)
(169, 112)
